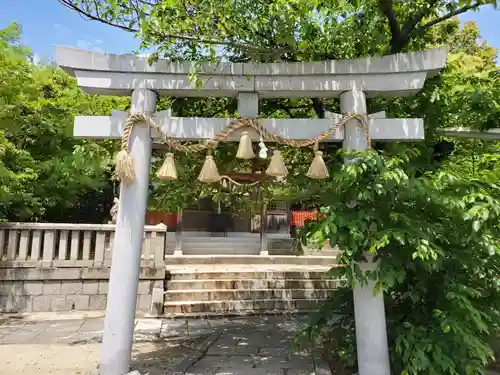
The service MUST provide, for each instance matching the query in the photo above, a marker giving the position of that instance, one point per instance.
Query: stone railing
(70, 245)
(57, 267)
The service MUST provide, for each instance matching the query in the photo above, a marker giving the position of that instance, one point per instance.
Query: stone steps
(242, 289)
(238, 313)
(223, 295)
(239, 307)
(246, 275)
(249, 245)
(315, 260)
(220, 250)
(221, 245)
(202, 234)
(249, 275)
(220, 241)
(228, 276)
(252, 284)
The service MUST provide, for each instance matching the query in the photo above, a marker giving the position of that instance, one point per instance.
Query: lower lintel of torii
(462, 132)
(199, 128)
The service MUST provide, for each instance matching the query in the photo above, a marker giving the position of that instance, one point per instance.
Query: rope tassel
(125, 167)
(277, 167)
(209, 172)
(245, 149)
(168, 172)
(317, 169)
(124, 160)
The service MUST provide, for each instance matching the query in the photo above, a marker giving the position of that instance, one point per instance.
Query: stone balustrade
(62, 267)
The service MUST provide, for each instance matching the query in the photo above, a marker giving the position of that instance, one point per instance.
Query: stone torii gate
(350, 80)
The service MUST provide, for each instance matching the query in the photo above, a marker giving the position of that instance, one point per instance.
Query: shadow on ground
(238, 346)
(164, 355)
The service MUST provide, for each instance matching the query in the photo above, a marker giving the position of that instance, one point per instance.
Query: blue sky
(47, 22)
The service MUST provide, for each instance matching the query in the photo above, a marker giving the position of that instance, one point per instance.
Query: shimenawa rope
(125, 163)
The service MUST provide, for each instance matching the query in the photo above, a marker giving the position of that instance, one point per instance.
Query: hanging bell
(209, 172)
(317, 169)
(245, 149)
(277, 167)
(168, 172)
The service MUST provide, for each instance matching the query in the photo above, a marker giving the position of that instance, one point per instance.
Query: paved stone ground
(69, 344)
(256, 346)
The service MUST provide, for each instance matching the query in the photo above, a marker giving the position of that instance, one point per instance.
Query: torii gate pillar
(125, 266)
(369, 310)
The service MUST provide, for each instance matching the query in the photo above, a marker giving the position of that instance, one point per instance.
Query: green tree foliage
(433, 227)
(277, 29)
(44, 170)
(436, 238)
(465, 94)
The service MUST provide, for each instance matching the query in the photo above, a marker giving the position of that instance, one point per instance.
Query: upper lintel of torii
(111, 74)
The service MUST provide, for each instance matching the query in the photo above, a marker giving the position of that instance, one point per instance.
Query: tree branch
(318, 107)
(386, 6)
(417, 17)
(70, 5)
(404, 34)
(411, 29)
(265, 50)
(400, 37)
(448, 16)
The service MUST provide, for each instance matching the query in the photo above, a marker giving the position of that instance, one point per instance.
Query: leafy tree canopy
(436, 240)
(44, 171)
(275, 29)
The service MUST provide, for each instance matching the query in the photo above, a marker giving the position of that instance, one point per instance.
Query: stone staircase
(236, 282)
(244, 245)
